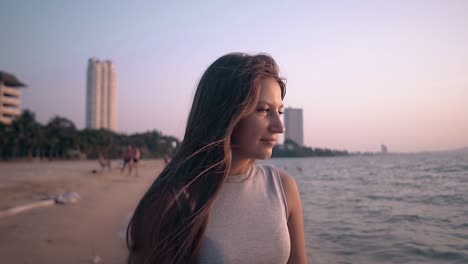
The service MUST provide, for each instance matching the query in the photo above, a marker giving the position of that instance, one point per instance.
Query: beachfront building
(10, 97)
(101, 95)
(294, 125)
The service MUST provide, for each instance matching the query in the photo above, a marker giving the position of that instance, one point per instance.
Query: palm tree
(25, 133)
(61, 136)
(5, 142)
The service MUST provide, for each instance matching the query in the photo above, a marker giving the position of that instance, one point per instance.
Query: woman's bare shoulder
(290, 190)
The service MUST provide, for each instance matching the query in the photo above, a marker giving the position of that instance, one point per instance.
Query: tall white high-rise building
(101, 95)
(293, 123)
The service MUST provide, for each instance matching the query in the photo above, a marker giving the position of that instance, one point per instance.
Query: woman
(212, 203)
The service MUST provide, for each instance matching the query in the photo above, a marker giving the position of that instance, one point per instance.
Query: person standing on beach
(128, 159)
(136, 159)
(213, 203)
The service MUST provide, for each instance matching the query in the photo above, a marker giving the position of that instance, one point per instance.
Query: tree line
(292, 149)
(60, 139)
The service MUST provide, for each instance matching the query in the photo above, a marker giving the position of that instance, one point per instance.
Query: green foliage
(292, 149)
(59, 139)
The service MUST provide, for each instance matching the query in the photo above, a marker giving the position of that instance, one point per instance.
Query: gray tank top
(248, 222)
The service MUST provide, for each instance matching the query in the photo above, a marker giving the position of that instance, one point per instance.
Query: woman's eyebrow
(269, 103)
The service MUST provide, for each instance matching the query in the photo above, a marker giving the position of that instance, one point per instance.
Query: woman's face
(257, 133)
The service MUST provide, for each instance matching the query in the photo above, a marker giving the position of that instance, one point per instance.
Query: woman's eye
(263, 110)
(280, 112)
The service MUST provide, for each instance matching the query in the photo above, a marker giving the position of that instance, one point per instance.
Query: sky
(365, 73)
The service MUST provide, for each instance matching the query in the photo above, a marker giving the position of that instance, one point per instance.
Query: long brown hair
(169, 221)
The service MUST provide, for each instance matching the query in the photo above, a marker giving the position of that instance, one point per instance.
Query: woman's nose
(276, 125)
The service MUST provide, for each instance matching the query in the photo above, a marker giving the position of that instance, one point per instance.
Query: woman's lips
(269, 141)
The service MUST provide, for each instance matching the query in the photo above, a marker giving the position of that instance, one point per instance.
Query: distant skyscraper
(383, 149)
(10, 97)
(293, 122)
(101, 95)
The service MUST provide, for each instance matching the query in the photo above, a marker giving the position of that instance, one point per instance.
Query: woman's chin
(264, 155)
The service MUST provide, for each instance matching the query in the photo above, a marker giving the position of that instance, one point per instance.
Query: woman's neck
(239, 166)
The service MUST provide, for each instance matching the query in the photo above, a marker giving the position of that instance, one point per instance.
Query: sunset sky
(365, 72)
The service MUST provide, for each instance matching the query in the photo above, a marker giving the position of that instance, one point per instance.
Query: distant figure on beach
(105, 163)
(213, 203)
(166, 159)
(128, 159)
(136, 159)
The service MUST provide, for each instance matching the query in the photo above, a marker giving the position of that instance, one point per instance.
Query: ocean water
(396, 208)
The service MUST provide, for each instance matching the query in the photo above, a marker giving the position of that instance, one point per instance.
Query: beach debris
(65, 198)
(97, 260)
(26, 207)
(68, 198)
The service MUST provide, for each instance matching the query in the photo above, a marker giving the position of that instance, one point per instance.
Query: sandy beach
(70, 233)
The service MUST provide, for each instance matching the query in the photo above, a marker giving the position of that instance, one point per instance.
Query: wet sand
(70, 233)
